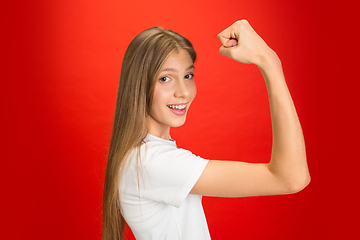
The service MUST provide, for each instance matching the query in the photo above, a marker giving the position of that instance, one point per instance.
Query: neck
(158, 129)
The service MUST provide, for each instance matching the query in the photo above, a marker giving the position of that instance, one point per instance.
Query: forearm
(288, 158)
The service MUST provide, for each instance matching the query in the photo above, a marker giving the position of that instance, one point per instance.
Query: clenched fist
(241, 43)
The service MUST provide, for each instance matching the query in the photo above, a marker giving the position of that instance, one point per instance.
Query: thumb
(232, 42)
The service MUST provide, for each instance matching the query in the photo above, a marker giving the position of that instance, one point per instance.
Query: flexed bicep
(287, 171)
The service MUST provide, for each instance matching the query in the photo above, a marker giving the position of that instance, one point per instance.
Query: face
(174, 91)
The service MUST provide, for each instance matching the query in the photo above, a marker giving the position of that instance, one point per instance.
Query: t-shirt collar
(150, 137)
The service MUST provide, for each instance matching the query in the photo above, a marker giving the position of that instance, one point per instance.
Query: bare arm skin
(287, 172)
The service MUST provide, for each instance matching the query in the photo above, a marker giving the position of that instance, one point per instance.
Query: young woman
(156, 187)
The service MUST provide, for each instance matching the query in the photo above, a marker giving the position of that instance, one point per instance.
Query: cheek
(193, 90)
(160, 96)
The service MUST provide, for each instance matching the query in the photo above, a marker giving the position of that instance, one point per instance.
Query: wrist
(271, 67)
(268, 60)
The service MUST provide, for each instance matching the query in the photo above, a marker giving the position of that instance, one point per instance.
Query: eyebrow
(175, 70)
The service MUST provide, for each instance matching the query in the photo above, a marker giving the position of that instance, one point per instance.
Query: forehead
(178, 60)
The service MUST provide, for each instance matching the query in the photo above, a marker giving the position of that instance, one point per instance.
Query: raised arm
(287, 171)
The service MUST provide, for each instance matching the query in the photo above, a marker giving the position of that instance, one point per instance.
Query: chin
(178, 124)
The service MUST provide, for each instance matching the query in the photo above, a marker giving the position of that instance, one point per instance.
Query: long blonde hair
(142, 62)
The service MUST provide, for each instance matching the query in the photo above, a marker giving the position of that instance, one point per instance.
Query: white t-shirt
(154, 194)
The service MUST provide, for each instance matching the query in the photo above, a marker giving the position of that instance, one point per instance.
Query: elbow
(299, 184)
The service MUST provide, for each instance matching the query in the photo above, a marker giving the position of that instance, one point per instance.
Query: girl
(156, 187)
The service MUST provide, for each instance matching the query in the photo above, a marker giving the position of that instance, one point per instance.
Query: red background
(61, 64)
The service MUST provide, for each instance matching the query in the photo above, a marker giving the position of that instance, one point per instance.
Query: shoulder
(154, 148)
(159, 153)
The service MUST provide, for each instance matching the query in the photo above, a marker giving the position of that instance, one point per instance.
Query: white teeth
(177, 106)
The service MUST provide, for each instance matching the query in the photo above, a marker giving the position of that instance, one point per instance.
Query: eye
(189, 76)
(164, 79)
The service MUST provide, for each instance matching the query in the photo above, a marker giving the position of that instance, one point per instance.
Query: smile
(176, 106)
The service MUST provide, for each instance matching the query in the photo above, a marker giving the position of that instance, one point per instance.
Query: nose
(181, 89)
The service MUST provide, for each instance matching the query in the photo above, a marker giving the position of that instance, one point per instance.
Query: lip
(178, 112)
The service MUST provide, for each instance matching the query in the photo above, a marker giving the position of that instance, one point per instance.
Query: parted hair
(140, 68)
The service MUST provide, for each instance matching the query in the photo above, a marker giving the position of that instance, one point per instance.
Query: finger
(228, 42)
(227, 35)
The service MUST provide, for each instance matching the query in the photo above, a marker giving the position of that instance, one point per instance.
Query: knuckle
(241, 22)
(238, 23)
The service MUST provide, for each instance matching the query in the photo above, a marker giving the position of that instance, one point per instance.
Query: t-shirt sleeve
(169, 174)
